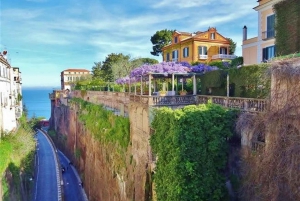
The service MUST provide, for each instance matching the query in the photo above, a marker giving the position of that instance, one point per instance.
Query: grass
(16, 155)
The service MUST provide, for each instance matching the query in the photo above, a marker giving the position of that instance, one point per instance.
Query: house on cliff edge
(200, 46)
(70, 76)
(10, 95)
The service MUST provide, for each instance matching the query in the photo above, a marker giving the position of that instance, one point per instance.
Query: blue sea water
(37, 101)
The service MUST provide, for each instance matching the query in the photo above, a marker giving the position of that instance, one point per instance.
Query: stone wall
(94, 160)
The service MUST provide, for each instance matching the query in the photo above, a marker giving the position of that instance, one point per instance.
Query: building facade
(197, 47)
(261, 48)
(70, 76)
(10, 95)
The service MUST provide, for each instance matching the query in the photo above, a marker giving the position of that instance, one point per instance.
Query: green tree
(107, 65)
(232, 46)
(148, 61)
(97, 72)
(159, 40)
(125, 65)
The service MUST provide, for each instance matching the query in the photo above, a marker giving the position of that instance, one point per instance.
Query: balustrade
(114, 99)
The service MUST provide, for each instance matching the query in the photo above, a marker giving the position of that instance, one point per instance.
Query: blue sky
(45, 37)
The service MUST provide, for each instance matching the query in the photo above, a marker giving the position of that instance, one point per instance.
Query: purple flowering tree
(164, 68)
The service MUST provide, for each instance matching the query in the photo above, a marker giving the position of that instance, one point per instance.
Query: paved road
(46, 179)
(72, 187)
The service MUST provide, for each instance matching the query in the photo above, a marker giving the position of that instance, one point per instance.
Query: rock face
(96, 161)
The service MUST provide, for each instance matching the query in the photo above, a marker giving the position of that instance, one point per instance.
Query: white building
(70, 76)
(10, 95)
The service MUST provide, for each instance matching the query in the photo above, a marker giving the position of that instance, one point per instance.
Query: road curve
(73, 189)
(46, 188)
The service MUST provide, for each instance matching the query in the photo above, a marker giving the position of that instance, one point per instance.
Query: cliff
(110, 169)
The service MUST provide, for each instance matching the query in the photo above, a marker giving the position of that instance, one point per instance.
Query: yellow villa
(261, 48)
(200, 46)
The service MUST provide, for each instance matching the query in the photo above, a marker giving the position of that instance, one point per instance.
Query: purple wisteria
(164, 68)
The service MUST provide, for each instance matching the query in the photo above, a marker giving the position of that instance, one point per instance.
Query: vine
(191, 146)
(287, 27)
(111, 130)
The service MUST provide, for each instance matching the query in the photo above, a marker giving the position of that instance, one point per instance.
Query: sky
(45, 37)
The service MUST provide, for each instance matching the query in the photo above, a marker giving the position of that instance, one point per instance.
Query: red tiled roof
(76, 70)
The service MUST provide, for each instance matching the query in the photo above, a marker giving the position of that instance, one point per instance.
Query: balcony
(202, 56)
(269, 34)
(223, 56)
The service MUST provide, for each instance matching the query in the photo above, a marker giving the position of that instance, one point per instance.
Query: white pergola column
(134, 88)
(149, 84)
(141, 85)
(227, 84)
(172, 83)
(194, 85)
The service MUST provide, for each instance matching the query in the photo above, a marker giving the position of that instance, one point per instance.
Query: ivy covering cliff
(192, 149)
(107, 128)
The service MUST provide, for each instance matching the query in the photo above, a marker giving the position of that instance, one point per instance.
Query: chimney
(244, 33)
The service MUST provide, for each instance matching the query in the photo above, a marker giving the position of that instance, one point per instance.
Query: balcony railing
(269, 34)
(202, 56)
(175, 59)
(223, 56)
(116, 99)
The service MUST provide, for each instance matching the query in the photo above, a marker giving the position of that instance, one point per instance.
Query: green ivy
(106, 127)
(287, 27)
(216, 80)
(251, 81)
(191, 146)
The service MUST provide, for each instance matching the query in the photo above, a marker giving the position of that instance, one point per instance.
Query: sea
(37, 102)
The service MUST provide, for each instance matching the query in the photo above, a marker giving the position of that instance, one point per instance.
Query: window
(185, 52)
(202, 50)
(176, 39)
(212, 36)
(168, 57)
(223, 50)
(175, 55)
(268, 53)
(270, 26)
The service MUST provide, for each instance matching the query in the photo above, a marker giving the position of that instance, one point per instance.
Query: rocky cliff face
(96, 161)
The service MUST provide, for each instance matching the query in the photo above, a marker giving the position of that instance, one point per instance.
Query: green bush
(251, 81)
(191, 146)
(216, 81)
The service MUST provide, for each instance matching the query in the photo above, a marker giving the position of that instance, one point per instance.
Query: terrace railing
(121, 100)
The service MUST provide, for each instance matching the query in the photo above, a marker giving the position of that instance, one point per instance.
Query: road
(72, 186)
(46, 188)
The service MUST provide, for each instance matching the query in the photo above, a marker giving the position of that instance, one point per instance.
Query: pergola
(154, 76)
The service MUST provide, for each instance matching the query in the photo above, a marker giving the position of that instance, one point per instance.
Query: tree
(159, 40)
(97, 72)
(107, 65)
(124, 66)
(232, 46)
(148, 61)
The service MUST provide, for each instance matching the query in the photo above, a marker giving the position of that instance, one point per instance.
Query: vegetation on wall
(287, 27)
(248, 81)
(271, 172)
(214, 83)
(106, 127)
(251, 81)
(16, 158)
(191, 147)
